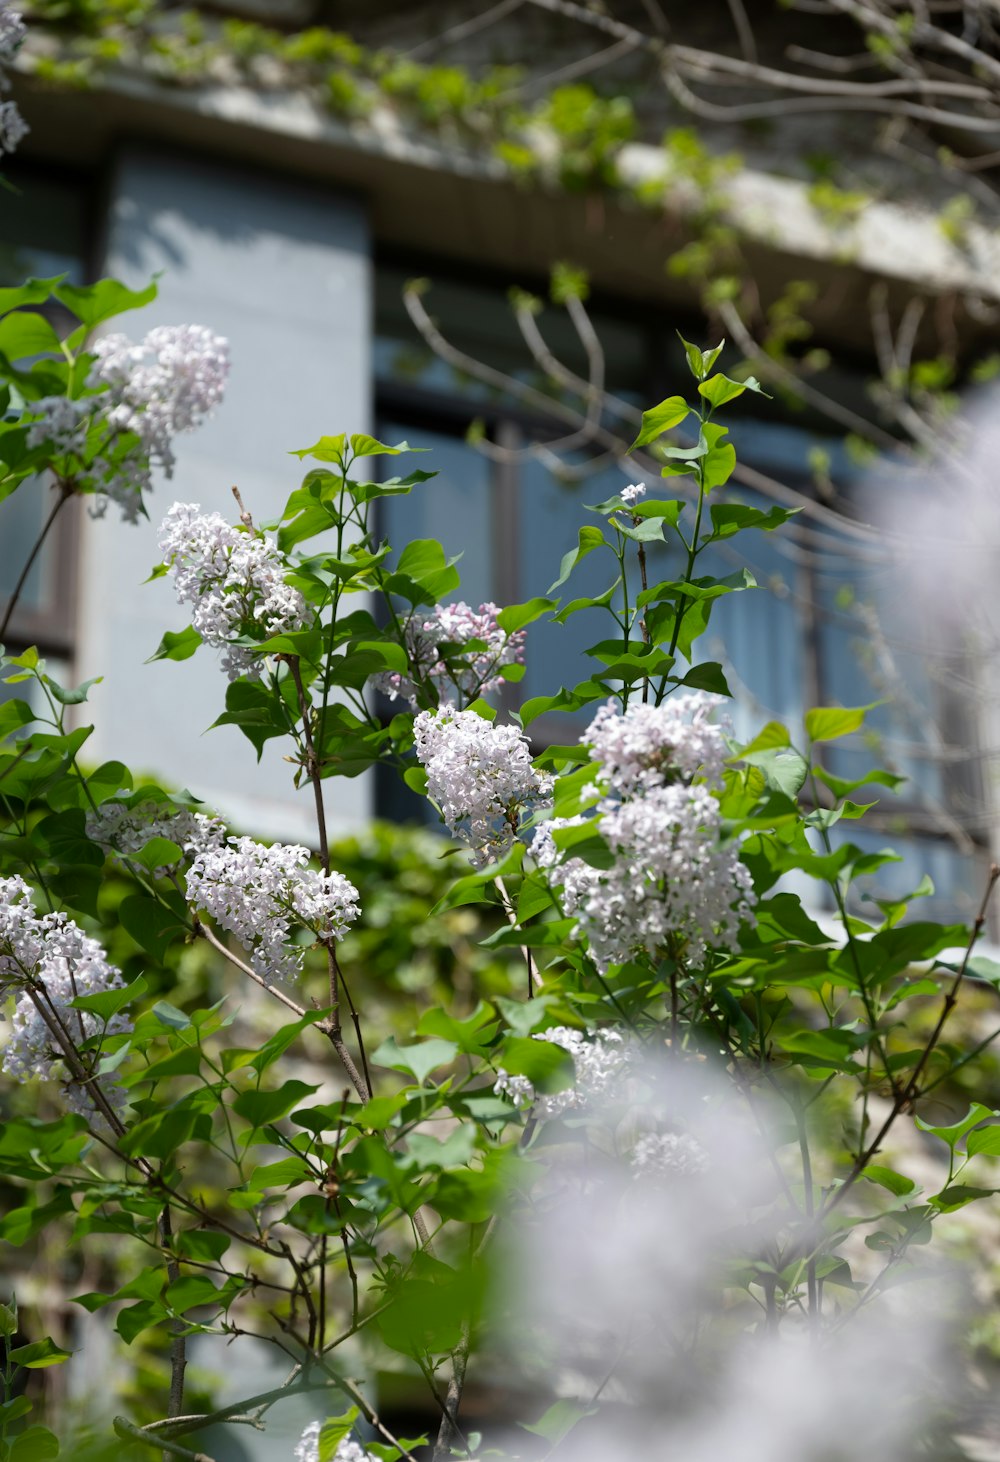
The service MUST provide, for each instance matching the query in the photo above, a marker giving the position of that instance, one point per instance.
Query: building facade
(293, 234)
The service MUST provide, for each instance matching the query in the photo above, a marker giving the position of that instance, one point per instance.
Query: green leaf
(161, 1135)
(152, 926)
(26, 333)
(108, 1002)
(262, 1107)
(201, 1245)
(700, 362)
(958, 1195)
(951, 1135)
(13, 715)
(92, 304)
(843, 786)
(41, 1353)
(984, 1141)
(71, 697)
(719, 461)
(158, 853)
(363, 445)
(828, 723)
(423, 574)
(588, 539)
(720, 389)
(134, 1319)
(256, 710)
(516, 616)
(709, 676)
(731, 518)
(22, 1224)
(562, 1416)
(784, 768)
(327, 449)
(545, 1064)
(575, 605)
(34, 1444)
(177, 645)
(660, 419)
(31, 292)
(768, 737)
(887, 1178)
(185, 1062)
(110, 778)
(419, 1060)
(333, 1432)
(470, 1035)
(169, 1015)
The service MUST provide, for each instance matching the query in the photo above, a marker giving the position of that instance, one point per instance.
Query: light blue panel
(284, 273)
(454, 506)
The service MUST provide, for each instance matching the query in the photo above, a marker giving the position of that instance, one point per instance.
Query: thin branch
(178, 1346)
(465, 28)
(909, 1092)
(131, 1433)
(204, 932)
(362, 1085)
(744, 30)
(508, 909)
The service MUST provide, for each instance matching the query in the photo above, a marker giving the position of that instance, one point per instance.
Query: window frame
(511, 424)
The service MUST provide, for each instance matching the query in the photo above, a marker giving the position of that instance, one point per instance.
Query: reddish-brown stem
(65, 492)
(909, 1093)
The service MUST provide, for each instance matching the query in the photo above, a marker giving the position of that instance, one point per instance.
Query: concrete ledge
(436, 199)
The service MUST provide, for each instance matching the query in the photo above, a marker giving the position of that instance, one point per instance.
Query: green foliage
(336, 1170)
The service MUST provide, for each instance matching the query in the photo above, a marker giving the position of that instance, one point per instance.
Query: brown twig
(65, 493)
(129, 1432)
(908, 1094)
(178, 1346)
(361, 1084)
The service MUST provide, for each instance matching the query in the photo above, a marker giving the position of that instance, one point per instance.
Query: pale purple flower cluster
(481, 777)
(165, 384)
(674, 882)
(260, 893)
(148, 393)
(122, 830)
(50, 955)
(307, 1448)
(633, 492)
(600, 1059)
(235, 580)
(63, 423)
(13, 127)
(472, 673)
(659, 1155)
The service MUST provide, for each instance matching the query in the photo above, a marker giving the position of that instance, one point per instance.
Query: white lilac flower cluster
(307, 1448)
(13, 127)
(148, 393)
(52, 955)
(260, 893)
(659, 1155)
(233, 578)
(649, 745)
(121, 830)
(633, 492)
(673, 878)
(600, 1060)
(472, 673)
(481, 777)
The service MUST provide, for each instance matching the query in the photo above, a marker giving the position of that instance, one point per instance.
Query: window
(42, 233)
(827, 624)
